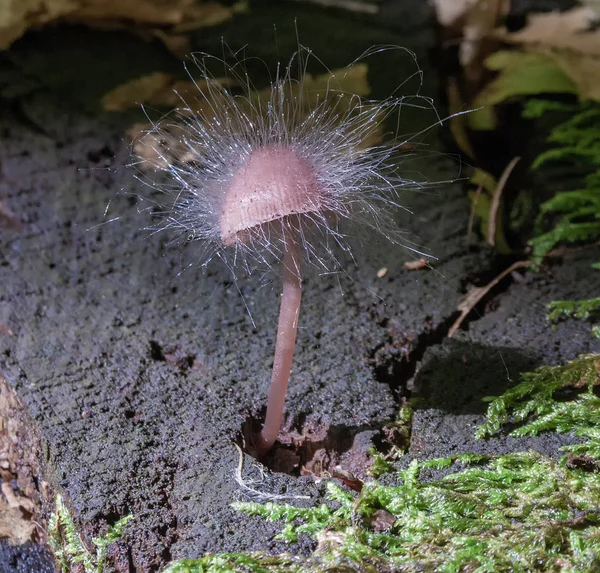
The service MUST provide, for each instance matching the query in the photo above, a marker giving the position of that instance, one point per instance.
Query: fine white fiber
(312, 160)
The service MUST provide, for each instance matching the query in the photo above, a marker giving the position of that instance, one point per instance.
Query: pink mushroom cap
(274, 182)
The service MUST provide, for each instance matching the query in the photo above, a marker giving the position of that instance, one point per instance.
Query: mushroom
(274, 175)
(271, 191)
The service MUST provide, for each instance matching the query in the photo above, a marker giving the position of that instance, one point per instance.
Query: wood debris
(416, 265)
(475, 294)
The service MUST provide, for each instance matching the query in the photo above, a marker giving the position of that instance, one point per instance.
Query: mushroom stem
(284, 345)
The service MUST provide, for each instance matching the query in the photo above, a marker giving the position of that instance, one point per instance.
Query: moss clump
(396, 440)
(242, 562)
(68, 547)
(535, 405)
(573, 215)
(518, 512)
(581, 309)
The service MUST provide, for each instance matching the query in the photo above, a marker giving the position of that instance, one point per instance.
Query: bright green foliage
(576, 139)
(314, 518)
(519, 512)
(519, 74)
(582, 309)
(577, 146)
(536, 108)
(575, 214)
(533, 405)
(380, 465)
(397, 439)
(68, 547)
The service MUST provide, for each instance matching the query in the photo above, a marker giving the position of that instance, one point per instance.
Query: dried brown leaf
(583, 69)
(361, 6)
(495, 205)
(470, 23)
(15, 516)
(137, 91)
(8, 218)
(207, 14)
(571, 30)
(480, 21)
(161, 149)
(571, 39)
(458, 123)
(14, 527)
(17, 16)
(160, 12)
(16, 501)
(178, 44)
(162, 90)
(450, 12)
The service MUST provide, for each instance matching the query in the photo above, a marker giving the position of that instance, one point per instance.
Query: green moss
(576, 309)
(380, 465)
(239, 562)
(581, 309)
(571, 216)
(68, 547)
(518, 512)
(311, 520)
(536, 405)
(396, 441)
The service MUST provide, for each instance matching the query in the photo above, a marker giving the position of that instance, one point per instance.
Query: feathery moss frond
(68, 547)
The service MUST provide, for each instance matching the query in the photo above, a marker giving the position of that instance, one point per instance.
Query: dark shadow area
(460, 375)
(451, 394)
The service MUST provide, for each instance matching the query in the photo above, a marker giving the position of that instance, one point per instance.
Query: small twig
(496, 200)
(416, 265)
(471, 299)
(254, 492)
(472, 215)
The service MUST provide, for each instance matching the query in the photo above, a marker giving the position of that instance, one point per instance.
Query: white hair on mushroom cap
(240, 169)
